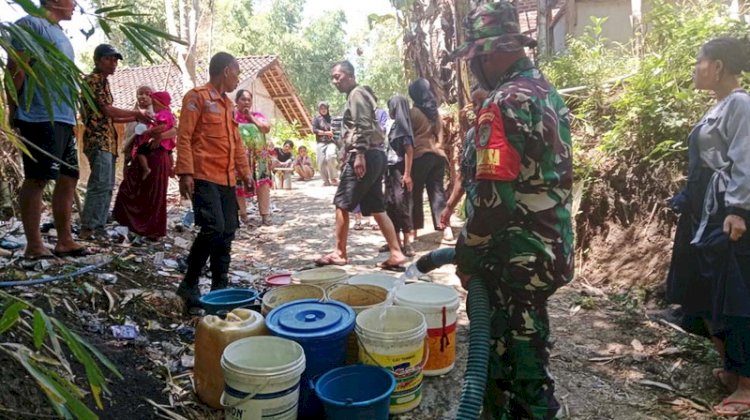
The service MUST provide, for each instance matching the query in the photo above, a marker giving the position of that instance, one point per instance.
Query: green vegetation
(306, 51)
(646, 116)
(41, 344)
(45, 360)
(282, 130)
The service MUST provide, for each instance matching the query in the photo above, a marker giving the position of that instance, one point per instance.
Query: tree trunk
(187, 30)
(542, 28)
(636, 18)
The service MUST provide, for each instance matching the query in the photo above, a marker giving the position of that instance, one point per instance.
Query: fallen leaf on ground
(647, 382)
(670, 351)
(637, 346)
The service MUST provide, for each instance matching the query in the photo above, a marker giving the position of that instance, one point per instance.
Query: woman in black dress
(710, 271)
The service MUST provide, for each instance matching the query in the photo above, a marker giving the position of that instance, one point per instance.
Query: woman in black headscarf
(429, 158)
(325, 146)
(398, 182)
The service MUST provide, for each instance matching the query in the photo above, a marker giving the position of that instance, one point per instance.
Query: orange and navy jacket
(208, 142)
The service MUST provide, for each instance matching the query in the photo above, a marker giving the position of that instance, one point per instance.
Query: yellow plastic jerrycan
(211, 337)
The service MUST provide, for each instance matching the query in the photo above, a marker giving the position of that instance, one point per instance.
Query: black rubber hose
(475, 378)
(435, 259)
(478, 304)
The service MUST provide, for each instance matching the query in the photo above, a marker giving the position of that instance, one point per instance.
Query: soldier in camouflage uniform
(518, 238)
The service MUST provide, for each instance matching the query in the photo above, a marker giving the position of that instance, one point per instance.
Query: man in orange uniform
(209, 149)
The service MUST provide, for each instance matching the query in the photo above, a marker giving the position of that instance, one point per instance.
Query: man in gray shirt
(361, 181)
(52, 145)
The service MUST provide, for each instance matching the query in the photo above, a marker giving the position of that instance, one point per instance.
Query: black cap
(106, 50)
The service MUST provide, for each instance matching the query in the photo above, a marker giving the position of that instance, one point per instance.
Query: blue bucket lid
(311, 319)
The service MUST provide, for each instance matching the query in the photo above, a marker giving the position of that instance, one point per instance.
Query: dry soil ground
(610, 360)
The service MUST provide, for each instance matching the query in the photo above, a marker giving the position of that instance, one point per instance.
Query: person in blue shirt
(49, 138)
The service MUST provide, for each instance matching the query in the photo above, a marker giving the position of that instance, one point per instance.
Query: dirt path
(609, 359)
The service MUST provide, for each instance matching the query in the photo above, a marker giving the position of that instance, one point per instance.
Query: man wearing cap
(518, 239)
(100, 141)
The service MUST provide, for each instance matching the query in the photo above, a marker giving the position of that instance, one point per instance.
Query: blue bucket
(356, 392)
(227, 299)
(322, 329)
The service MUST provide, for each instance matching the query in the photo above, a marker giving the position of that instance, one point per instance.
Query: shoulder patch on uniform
(497, 159)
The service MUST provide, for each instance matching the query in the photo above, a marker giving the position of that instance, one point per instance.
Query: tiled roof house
(273, 93)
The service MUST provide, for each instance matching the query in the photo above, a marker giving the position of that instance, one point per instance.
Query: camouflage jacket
(519, 225)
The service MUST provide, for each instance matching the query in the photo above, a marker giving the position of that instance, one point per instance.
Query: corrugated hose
(478, 304)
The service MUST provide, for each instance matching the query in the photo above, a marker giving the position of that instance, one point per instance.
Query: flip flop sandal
(717, 374)
(40, 257)
(75, 253)
(329, 260)
(358, 226)
(408, 251)
(392, 267)
(732, 413)
(9, 245)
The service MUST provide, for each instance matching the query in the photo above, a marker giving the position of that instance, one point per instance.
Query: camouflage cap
(492, 27)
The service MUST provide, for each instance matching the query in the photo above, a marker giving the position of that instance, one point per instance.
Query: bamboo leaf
(133, 38)
(158, 33)
(97, 382)
(29, 7)
(11, 315)
(105, 27)
(103, 10)
(56, 399)
(122, 13)
(55, 342)
(102, 358)
(71, 394)
(39, 328)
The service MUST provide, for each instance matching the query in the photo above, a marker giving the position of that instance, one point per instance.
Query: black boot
(220, 260)
(196, 260)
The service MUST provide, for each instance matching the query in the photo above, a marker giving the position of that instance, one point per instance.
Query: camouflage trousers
(519, 385)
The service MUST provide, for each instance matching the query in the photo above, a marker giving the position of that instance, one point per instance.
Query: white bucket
(438, 304)
(394, 338)
(262, 378)
(359, 297)
(383, 280)
(322, 276)
(280, 295)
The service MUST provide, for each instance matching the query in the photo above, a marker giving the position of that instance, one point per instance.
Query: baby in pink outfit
(164, 120)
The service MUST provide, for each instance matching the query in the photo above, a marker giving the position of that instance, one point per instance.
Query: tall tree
(181, 18)
(186, 26)
(429, 28)
(306, 50)
(380, 65)
(151, 13)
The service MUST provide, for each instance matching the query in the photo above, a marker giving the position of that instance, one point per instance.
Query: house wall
(262, 101)
(616, 29)
(559, 33)
(525, 5)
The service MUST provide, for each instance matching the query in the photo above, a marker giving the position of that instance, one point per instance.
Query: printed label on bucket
(442, 342)
(407, 368)
(280, 405)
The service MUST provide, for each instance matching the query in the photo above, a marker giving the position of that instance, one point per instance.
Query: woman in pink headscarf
(141, 202)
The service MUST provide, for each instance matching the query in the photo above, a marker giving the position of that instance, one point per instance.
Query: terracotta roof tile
(167, 77)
